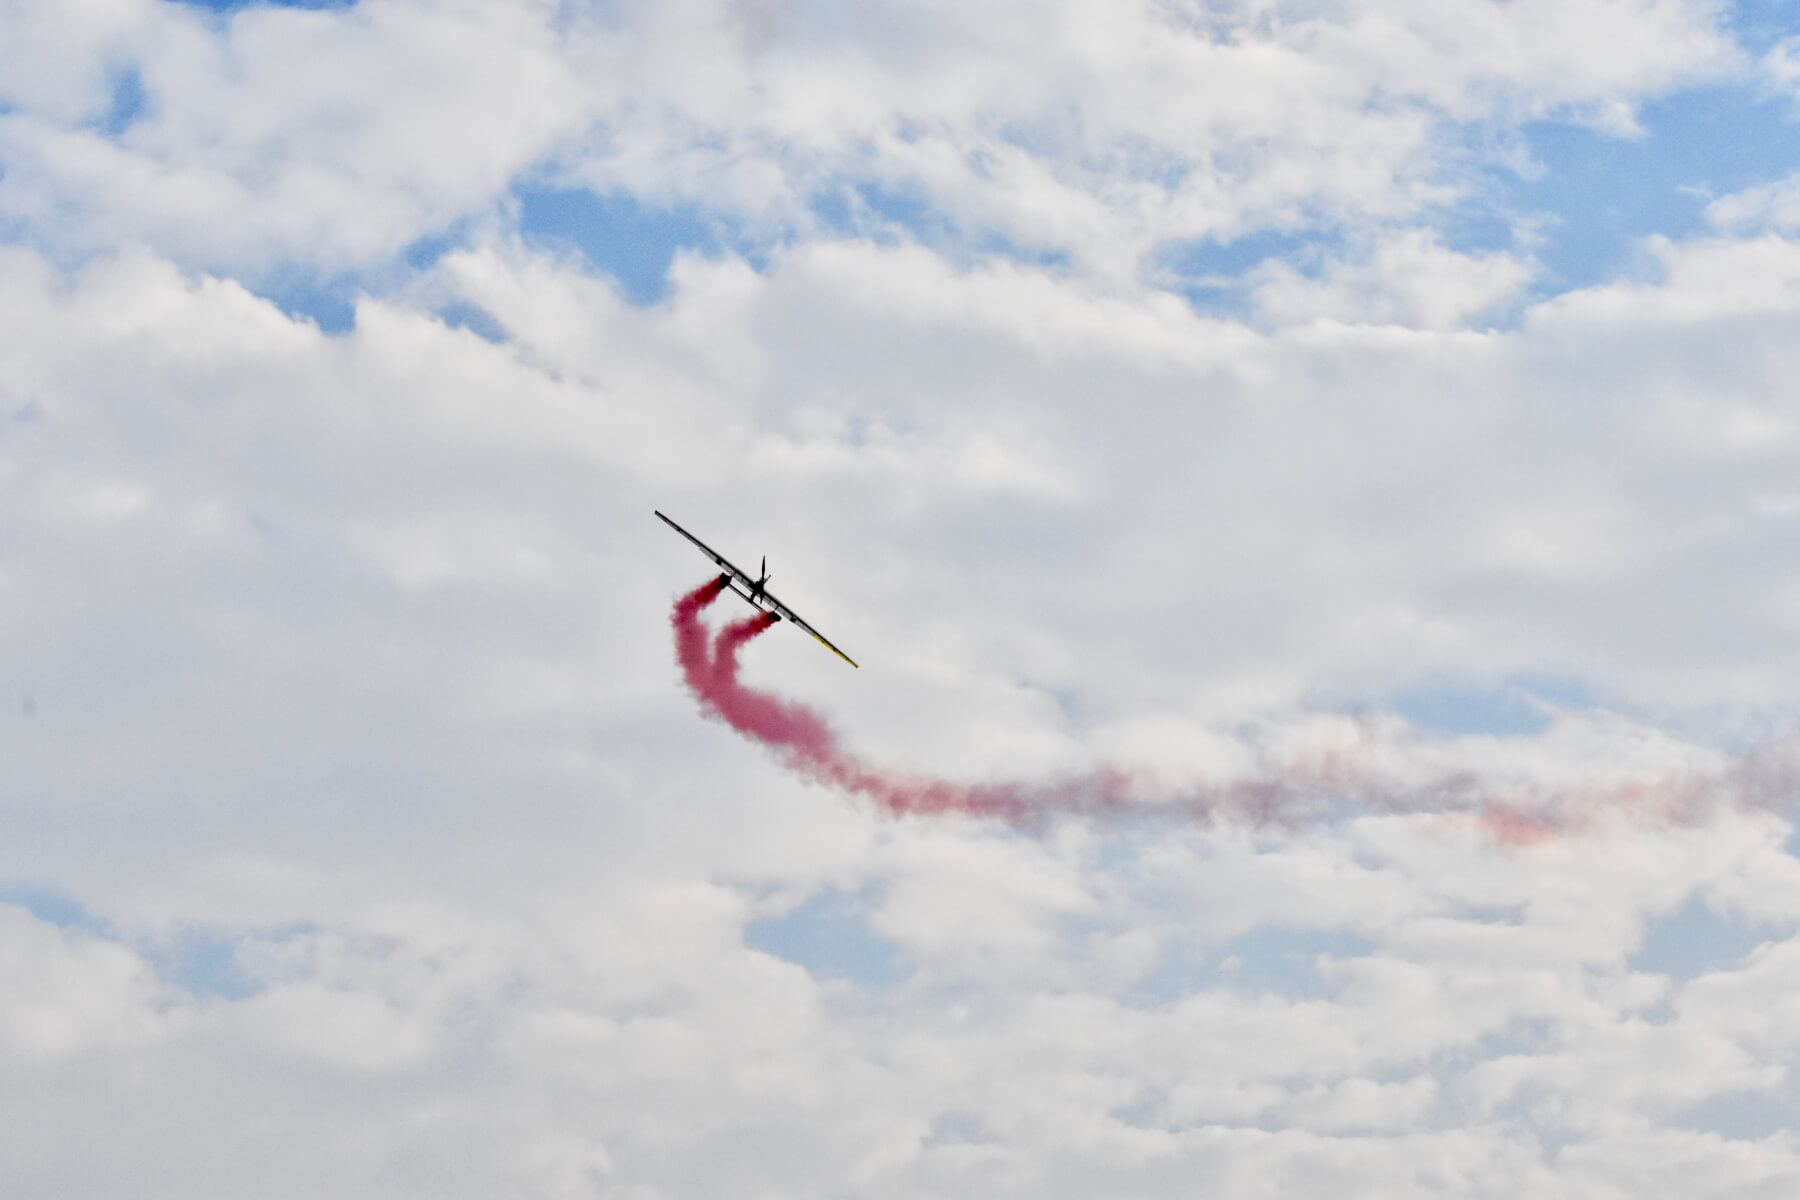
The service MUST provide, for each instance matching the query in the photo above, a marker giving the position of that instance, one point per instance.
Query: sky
(1386, 407)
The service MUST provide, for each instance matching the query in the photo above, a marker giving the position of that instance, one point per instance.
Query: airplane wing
(738, 576)
(794, 617)
(710, 553)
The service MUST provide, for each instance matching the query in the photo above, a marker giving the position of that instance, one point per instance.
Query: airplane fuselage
(754, 589)
(755, 595)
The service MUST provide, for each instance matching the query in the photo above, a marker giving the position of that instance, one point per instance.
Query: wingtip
(832, 648)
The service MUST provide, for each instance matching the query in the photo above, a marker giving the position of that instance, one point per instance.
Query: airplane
(758, 594)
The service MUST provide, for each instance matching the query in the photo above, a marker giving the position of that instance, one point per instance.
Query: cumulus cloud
(1768, 206)
(274, 134)
(1410, 279)
(362, 841)
(1099, 133)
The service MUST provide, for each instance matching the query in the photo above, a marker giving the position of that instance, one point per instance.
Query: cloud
(277, 135)
(1771, 206)
(339, 654)
(1410, 280)
(70, 997)
(341, 674)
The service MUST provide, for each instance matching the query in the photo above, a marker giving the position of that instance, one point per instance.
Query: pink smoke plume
(1290, 793)
(799, 736)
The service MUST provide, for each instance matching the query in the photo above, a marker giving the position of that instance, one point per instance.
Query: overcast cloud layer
(1172, 386)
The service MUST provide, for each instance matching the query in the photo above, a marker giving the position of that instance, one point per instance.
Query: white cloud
(1780, 65)
(277, 134)
(1767, 206)
(68, 996)
(1095, 131)
(344, 658)
(1409, 279)
(56, 59)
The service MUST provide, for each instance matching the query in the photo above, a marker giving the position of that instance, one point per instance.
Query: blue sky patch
(1743, 1116)
(423, 254)
(1583, 212)
(203, 962)
(1233, 258)
(127, 102)
(329, 304)
(1273, 959)
(631, 241)
(1520, 708)
(830, 937)
(1211, 275)
(1126, 844)
(1694, 940)
(890, 215)
(1471, 711)
(1759, 24)
(326, 303)
(54, 907)
(1600, 195)
(869, 208)
(472, 317)
(1525, 1036)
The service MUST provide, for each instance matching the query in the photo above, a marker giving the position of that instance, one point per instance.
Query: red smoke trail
(690, 635)
(1287, 793)
(805, 744)
(797, 734)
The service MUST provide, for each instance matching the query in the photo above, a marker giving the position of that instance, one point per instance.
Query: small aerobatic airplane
(758, 594)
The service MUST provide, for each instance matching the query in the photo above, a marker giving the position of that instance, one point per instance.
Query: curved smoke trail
(799, 736)
(1339, 781)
